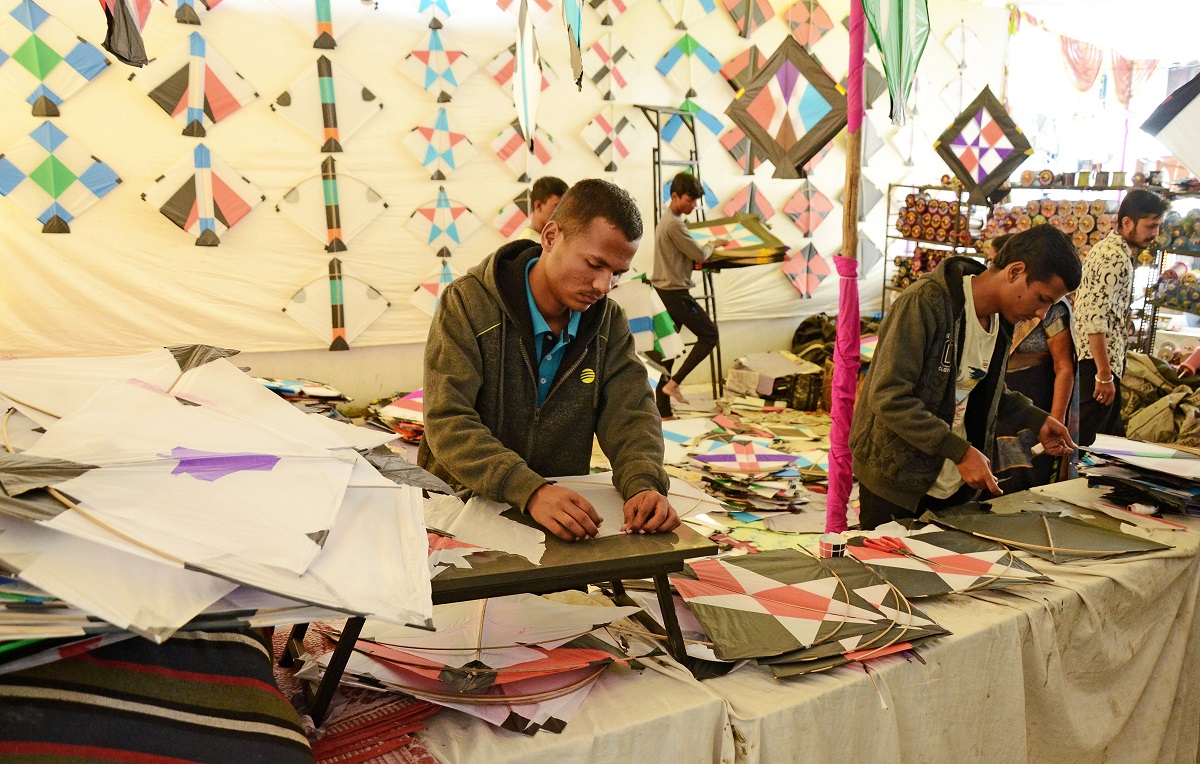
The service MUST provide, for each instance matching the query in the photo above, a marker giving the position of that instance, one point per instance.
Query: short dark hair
(546, 188)
(595, 198)
(1046, 251)
(1140, 203)
(686, 184)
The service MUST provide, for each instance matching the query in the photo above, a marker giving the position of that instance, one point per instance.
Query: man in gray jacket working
(527, 359)
(926, 422)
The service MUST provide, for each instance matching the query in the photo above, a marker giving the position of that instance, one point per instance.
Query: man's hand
(564, 513)
(1105, 392)
(976, 471)
(1056, 438)
(649, 512)
(721, 243)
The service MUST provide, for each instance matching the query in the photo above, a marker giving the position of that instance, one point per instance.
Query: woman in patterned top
(1042, 368)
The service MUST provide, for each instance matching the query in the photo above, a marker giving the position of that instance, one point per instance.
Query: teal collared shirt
(550, 347)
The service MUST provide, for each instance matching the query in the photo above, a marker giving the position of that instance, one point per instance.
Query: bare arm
(1061, 353)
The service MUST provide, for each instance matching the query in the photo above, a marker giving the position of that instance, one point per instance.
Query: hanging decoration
(808, 22)
(900, 29)
(609, 9)
(436, 69)
(126, 20)
(790, 109)
(513, 215)
(603, 136)
(42, 60)
(1082, 60)
(805, 268)
(328, 104)
(808, 208)
(516, 152)
(185, 10)
(676, 64)
(334, 207)
(1127, 72)
(527, 74)
(572, 12)
(749, 15)
(53, 177)
(338, 305)
(427, 294)
(203, 196)
(750, 200)
(194, 83)
(443, 223)
(609, 65)
(438, 147)
(983, 146)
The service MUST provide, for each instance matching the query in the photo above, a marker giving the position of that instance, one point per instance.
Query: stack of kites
(405, 415)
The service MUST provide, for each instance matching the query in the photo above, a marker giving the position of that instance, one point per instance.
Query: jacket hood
(950, 272)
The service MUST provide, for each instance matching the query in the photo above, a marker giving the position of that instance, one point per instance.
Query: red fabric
(845, 382)
(91, 753)
(1083, 62)
(1126, 73)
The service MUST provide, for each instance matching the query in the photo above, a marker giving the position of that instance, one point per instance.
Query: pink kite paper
(512, 148)
(805, 269)
(751, 200)
(808, 208)
(513, 215)
(808, 22)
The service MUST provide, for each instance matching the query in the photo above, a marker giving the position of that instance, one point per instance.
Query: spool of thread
(832, 545)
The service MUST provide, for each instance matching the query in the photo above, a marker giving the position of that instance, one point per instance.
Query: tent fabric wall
(126, 278)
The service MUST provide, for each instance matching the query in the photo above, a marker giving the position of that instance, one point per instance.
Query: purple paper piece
(213, 465)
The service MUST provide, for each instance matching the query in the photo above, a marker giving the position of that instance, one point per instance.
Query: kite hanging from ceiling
(185, 10)
(42, 60)
(1176, 122)
(193, 82)
(203, 196)
(338, 306)
(900, 29)
(53, 177)
(538, 9)
(333, 206)
(438, 147)
(572, 11)
(983, 146)
(328, 104)
(436, 69)
(527, 75)
(126, 20)
(443, 223)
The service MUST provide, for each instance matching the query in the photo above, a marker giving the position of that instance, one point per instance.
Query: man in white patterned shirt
(1102, 312)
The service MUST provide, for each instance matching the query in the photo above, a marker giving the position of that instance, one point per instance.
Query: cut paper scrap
(749, 15)
(448, 552)
(808, 208)
(983, 146)
(609, 65)
(194, 84)
(443, 223)
(126, 20)
(739, 70)
(185, 10)
(513, 215)
(604, 138)
(203, 196)
(480, 522)
(435, 68)
(439, 147)
(53, 177)
(328, 104)
(790, 110)
(337, 305)
(751, 200)
(333, 206)
(677, 63)
(651, 324)
(609, 9)
(598, 489)
(43, 61)
(744, 456)
(504, 64)
(805, 268)
(326, 21)
(808, 22)
(429, 292)
(512, 148)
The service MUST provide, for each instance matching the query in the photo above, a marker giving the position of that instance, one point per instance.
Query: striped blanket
(199, 697)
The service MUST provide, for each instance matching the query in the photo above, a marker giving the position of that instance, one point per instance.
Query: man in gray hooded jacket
(527, 359)
(926, 422)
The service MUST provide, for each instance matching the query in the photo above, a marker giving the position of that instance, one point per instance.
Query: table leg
(298, 631)
(666, 603)
(337, 664)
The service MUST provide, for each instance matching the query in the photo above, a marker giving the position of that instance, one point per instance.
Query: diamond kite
(983, 146)
(678, 10)
(1175, 123)
(739, 70)
(443, 223)
(53, 177)
(790, 109)
(334, 207)
(338, 305)
(203, 196)
(608, 9)
(438, 147)
(808, 208)
(609, 65)
(436, 69)
(192, 82)
(676, 63)
(805, 269)
(185, 10)
(742, 151)
(42, 60)
(429, 291)
(512, 148)
(808, 22)
(604, 138)
(316, 17)
(749, 15)
(505, 63)
(312, 104)
(675, 125)
(751, 200)
(513, 215)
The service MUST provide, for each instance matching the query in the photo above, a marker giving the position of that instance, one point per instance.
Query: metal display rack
(1150, 307)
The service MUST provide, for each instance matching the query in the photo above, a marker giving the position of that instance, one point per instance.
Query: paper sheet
(479, 522)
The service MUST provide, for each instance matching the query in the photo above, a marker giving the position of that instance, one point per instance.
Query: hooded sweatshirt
(484, 429)
(901, 433)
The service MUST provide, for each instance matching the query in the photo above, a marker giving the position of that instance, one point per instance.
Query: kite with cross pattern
(983, 146)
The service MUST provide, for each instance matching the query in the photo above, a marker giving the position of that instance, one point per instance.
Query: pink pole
(846, 347)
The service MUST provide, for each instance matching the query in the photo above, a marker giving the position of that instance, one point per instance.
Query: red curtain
(1083, 62)
(1127, 73)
